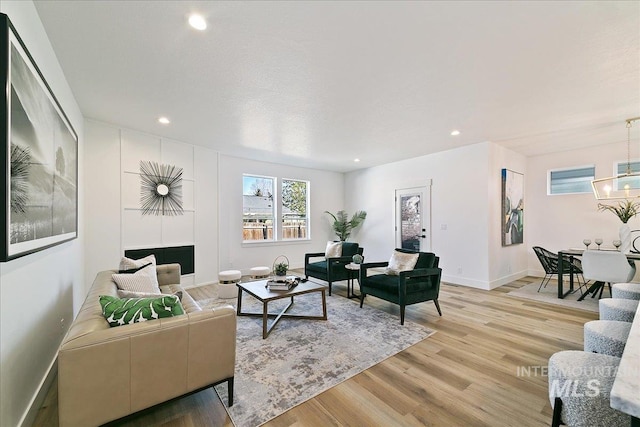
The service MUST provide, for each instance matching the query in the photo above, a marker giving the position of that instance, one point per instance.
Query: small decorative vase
(625, 238)
(357, 259)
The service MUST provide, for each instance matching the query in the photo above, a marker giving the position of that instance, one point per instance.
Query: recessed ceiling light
(198, 22)
(356, 160)
(455, 132)
(164, 120)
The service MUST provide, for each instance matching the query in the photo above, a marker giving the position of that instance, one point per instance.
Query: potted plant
(281, 269)
(625, 210)
(280, 265)
(343, 226)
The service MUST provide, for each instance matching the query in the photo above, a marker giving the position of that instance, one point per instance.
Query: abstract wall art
(512, 207)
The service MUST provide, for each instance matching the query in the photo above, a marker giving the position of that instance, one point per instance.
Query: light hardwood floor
(467, 374)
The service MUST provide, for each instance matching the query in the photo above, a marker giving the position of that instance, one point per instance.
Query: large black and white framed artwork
(39, 151)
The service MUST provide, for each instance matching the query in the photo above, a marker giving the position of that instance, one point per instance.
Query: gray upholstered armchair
(408, 287)
(331, 269)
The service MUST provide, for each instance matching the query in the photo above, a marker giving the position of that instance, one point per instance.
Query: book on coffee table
(283, 284)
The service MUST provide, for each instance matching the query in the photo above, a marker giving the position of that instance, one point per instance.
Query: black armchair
(331, 269)
(408, 287)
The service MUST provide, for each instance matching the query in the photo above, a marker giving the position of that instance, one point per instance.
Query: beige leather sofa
(106, 373)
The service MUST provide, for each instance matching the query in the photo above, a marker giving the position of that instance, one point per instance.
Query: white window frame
(549, 173)
(308, 208)
(623, 163)
(278, 236)
(274, 210)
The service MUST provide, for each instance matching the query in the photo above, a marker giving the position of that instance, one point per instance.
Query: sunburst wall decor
(160, 189)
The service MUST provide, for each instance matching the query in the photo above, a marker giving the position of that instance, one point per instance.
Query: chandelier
(625, 186)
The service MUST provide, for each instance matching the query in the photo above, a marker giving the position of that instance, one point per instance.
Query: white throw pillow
(144, 280)
(130, 264)
(334, 250)
(401, 261)
(131, 294)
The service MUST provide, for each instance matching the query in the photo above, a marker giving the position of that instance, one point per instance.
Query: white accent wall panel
(137, 146)
(188, 194)
(178, 154)
(140, 231)
(114, 158)
(130, 191)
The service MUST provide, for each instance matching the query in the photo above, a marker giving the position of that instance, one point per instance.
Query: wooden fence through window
(290, 230)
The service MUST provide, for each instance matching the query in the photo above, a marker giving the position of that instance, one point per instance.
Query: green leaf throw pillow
(126, 311)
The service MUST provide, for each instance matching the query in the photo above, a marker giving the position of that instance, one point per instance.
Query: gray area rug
(302, 358)
(550, 295)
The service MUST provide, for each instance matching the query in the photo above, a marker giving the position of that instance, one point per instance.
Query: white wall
(114, 219)
(506, 263)
(465, 206)
(327, 194)
(38, 290)
(207, 207)
(103, 207)
(214, 203)
(563, 221)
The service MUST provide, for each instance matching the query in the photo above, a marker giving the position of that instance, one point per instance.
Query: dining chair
(606, 267)
(549, 261)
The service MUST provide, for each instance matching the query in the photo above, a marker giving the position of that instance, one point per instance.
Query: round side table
(354, 271)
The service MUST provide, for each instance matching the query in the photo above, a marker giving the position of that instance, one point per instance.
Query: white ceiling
(318, 84)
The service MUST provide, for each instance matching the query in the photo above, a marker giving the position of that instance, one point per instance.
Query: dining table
(570, 254)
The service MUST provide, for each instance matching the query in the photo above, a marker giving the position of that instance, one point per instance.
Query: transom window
(632, 182)
(571, 180)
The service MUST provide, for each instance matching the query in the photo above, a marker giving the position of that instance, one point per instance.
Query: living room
(465, 180)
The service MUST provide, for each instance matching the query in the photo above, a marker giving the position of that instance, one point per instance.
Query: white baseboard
(39, 396)
(483, 284)
(507, 279)
(464, 281)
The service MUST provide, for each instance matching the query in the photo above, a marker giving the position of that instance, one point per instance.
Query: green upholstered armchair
(331, 269)
(409, 287)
